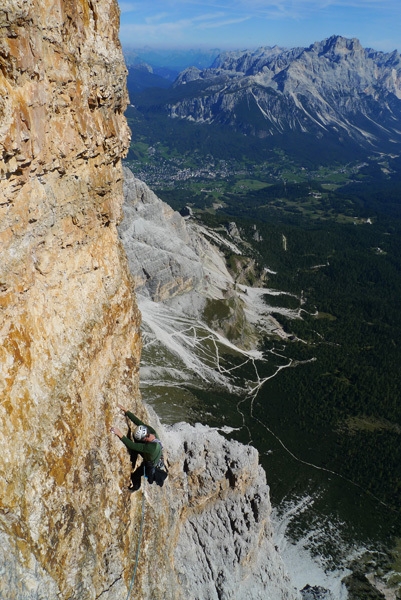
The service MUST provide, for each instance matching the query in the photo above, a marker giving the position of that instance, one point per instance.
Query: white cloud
(283, 5)
(156, 18)
(154, 30)
(289, 4)
(127, 7)
(209, 16)
(156, 26)
(223, 23)
(193, 21)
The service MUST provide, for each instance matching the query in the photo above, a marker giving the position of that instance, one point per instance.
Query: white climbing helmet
(140, 432)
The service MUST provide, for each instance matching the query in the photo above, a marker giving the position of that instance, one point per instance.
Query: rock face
(167, 255)
(220, 532)
(157, 243)
(69, 329)
(70, 349)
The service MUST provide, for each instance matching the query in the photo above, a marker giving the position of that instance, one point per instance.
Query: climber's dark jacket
(150, 451)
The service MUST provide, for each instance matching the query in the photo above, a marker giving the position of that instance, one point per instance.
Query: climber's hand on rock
(122, 408)
(116, 431)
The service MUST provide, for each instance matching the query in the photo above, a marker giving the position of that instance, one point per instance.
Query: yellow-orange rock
(69, 328)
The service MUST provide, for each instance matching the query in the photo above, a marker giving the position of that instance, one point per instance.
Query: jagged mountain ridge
(335, 88)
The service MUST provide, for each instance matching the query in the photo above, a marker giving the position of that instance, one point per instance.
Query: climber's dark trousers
(138, 473)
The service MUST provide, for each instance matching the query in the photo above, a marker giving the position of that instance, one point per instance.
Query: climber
(146, 445)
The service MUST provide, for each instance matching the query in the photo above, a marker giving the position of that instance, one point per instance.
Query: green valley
(329, 232)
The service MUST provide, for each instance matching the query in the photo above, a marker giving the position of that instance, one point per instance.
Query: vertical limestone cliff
(69, 330)
(70, 350)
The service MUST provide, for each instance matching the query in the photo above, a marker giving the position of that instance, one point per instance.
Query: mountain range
(333, 93)
(168, 63)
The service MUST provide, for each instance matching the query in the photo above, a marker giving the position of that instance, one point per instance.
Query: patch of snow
(304, 568)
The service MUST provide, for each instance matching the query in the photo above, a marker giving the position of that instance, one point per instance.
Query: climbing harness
(160, 461)
(140, 535)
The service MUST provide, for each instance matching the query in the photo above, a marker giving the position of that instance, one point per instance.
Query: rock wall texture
(217, 510)
(70, 349)
(69, 330)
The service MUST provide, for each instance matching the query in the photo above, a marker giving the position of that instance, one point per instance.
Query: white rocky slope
(178, 264)
(167, 256)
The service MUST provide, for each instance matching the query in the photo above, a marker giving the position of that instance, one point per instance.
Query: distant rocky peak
(142, 67)
(189, 74)
(338, 46)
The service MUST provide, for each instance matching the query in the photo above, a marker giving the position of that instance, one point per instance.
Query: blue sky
(230, 24)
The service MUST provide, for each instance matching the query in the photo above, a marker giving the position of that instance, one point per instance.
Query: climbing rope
(140, 536)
